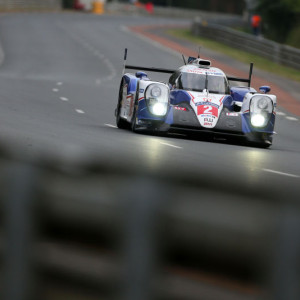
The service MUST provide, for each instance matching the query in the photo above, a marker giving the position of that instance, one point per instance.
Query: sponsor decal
(207, 103)
(204, 116)
(207, 110)
(208, 124)
(180, 108)
(210, 120)
(232, 114)
(203, 72)
(141, 90)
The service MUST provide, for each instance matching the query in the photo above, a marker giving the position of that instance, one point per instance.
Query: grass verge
(243, 56)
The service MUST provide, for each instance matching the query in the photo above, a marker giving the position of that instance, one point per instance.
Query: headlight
(261, 108)
(258, 120)
(159, 109)
(155, 91)
(262, 103)
(157, 99)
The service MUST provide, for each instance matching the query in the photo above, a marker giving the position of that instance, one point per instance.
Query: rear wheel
(121, 123)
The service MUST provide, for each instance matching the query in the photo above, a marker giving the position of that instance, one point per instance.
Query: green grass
(243, 56)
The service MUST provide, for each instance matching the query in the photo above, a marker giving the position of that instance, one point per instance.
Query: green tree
(279, 17)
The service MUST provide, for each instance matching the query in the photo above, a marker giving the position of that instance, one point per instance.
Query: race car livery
(197, 98)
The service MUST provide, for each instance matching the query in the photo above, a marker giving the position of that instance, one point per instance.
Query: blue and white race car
(199, 99)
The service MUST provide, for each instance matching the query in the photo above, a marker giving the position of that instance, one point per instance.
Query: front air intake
(204, 63)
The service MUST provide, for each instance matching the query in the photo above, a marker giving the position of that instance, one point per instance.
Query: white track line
(281, 173)
(59, 83)
(64, 99)
(280, 113)
(109, 125)
(170, 145)
(79, 111)
(292, 118)
(55, 90)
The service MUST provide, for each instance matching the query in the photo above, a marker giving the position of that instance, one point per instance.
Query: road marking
(109, 125)
(59, 83)
(64, 99)
(281, 173)
(292, 118)
(170, 145)
(79, 111)
(279, 113)
(55, 90)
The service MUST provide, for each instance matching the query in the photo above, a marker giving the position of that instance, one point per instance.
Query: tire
(259, 145)
(121, 123)
(133, 121)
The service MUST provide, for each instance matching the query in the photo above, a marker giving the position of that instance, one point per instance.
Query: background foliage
(281, 20)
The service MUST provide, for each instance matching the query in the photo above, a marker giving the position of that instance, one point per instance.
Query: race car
(198, 98)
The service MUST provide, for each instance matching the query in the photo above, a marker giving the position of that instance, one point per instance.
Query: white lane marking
(170, 145)
(280, 113)
(292, 118)
(55, 90)
(281, 173)
(59, 83)
(109, 125)
(79, 111)
(64, 99)
(112, 70)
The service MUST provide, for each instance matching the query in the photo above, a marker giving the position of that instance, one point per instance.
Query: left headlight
(261, 108)
(157, 99)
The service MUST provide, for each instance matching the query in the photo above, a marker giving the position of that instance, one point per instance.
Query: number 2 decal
(207, 109)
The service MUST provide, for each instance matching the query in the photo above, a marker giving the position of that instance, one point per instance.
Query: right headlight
(157, 99)
(261, 108)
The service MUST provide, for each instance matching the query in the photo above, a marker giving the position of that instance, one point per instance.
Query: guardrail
(10, 5)
(89, 229)
(174, 12)
(278, 53)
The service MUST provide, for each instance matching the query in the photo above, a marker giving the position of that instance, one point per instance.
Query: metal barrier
(278, 53)
(10, 5)
(90, 229)
(174, 12)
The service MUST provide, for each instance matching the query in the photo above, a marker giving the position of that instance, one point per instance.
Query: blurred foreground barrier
(74, 228)
(278, 53)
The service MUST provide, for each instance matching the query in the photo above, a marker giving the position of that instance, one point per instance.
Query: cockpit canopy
(215, 84)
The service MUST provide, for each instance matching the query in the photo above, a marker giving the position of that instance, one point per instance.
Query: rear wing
(131, 67)
(170, 71)
(248, 80)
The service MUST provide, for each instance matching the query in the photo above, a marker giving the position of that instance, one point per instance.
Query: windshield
(197, 83)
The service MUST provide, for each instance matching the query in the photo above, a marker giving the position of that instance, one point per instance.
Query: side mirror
(141, 74)
(265, 89)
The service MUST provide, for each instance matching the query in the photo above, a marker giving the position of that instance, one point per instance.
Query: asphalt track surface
(59, 83)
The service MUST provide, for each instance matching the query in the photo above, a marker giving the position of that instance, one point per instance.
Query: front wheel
(121, 123)
(133, 121)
